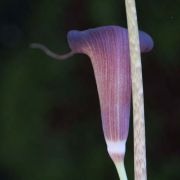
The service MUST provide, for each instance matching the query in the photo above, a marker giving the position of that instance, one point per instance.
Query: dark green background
(50, 124)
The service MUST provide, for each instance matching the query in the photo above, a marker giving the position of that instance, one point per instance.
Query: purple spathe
(108, 49)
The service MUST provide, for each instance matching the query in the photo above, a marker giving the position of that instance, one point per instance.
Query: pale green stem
(121, 170)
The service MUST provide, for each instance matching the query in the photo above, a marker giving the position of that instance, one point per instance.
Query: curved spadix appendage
(50, 53)
(108, 49)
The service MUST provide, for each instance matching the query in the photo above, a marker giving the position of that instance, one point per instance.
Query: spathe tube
(108, 49)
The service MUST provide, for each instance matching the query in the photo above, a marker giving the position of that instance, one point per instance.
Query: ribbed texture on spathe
(108, 50)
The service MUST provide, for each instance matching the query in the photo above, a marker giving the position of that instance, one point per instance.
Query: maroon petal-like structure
(108, 49)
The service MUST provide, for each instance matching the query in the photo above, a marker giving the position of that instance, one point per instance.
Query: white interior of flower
(116, 146)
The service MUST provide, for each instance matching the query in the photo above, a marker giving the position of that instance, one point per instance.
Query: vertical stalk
(137, 93)
(121, 170)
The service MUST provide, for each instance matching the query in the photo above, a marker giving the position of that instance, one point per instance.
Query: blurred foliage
(50, 124)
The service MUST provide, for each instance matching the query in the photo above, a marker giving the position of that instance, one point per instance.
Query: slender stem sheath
(137, 93)
(121, 170)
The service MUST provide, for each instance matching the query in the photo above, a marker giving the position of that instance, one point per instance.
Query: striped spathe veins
(112, 72)
(111, 68)
(108, 49)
